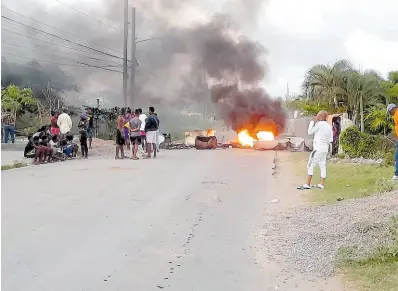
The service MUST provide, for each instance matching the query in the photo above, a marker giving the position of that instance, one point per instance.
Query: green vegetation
(360, 144)
(346, 181)
(342, 88)
(374, 270)
(13, 166)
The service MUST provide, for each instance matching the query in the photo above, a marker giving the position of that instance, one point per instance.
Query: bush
(357, 144)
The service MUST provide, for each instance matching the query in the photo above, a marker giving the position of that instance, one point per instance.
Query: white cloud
(373, 52)
(300, 34)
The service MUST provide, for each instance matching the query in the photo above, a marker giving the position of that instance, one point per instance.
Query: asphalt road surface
(181, 222)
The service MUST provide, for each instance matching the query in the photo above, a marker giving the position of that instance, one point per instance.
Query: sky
(301, 33)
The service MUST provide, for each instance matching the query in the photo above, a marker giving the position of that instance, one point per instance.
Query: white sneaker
(395, 177)
(306, 186)
(320, 186)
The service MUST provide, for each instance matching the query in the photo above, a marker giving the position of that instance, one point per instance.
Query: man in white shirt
(64, 122)
(323, 137)
(142, 118)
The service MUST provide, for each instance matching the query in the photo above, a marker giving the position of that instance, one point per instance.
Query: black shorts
(119, 138)
(135, 139)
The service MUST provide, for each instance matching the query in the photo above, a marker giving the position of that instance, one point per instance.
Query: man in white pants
(323, 137)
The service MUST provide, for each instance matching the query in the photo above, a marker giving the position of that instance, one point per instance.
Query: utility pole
(126, 33)
(133, 58)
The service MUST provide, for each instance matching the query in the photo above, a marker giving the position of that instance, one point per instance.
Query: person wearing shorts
(135, 135)
(120, 137)
(151, 129)
(143, 118)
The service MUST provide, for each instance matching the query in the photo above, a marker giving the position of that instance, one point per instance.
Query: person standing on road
(53, 122)
(120, 136)
(323, 137)
(392, 109)
(143, 118)
(90, 129)
(135, 137)
(151, 128)
(83, 127)
(126, 129)
(8, 122)
(157, 132)
(64, 123)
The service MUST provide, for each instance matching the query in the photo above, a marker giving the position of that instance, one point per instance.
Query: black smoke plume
(234, 66)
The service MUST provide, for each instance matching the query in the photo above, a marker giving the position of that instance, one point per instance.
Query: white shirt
(142, 117)
(65, 123)
(323, 135)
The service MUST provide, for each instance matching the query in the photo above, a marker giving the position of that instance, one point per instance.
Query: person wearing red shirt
(53, 121)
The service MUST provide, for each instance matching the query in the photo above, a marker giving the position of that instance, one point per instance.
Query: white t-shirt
(323, 135)
(142, 117)
(65, 123)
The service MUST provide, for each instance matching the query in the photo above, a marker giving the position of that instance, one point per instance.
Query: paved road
(181, 222)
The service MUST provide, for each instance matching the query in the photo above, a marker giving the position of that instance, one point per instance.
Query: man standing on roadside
(323, 137)
(64, 123)
(53, 122)
(151, 128)
(157, 132)
(392, 109)
(90, 129)
(120, 136)
(135, 136)
(143, 118)
(8, 122)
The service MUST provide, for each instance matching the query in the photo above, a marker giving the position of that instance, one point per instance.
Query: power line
(59, 37)
(31, 18)
(33, 50)
(62, 64)
(85, 14)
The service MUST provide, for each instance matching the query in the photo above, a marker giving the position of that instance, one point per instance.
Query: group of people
(137, 131)
(55, 141)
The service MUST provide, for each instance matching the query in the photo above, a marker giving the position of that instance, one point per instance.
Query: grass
(13, 166)
(378, 270)
(346, 181)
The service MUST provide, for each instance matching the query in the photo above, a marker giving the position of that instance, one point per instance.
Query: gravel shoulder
(306, 238)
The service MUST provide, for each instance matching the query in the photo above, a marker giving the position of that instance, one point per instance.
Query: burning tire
(205, 142)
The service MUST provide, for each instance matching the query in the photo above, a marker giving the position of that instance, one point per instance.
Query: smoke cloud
(197, 57)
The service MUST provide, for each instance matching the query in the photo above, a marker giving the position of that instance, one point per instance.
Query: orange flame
(245, 139)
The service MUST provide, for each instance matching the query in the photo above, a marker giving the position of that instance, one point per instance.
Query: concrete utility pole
(133, 58)
(125, 39)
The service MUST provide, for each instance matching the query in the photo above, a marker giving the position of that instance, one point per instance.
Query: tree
(325, 82)
(362, 90)
(16, 99)
(379, 120)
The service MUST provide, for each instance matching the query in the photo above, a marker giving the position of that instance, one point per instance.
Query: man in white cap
(392, 109)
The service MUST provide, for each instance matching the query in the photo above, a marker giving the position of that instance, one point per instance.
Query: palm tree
(362, 90)
(325, 82)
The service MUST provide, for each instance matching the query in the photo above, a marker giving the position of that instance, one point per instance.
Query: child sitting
(55, 148)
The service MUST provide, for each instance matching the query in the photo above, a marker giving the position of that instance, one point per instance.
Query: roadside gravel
(309, 237)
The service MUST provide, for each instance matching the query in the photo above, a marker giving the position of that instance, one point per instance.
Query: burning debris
(235, 68)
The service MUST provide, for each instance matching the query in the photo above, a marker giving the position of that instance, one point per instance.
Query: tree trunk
(361, 112)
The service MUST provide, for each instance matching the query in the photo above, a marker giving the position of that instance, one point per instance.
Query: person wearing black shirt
(35, 150)
(90, 129)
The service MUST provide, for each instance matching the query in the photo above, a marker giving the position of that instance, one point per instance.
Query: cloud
(300, 34)
(372, 51)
